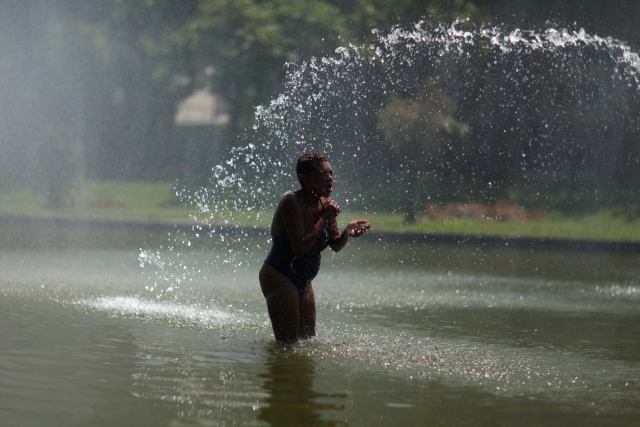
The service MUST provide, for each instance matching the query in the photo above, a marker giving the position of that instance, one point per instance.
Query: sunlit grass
(145, 201)
(104, 199)
(601, 225)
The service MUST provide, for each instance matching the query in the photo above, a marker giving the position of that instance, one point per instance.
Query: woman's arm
(353, 229)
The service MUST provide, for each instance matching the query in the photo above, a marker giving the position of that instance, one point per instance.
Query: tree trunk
(412, 183)
(412, 198)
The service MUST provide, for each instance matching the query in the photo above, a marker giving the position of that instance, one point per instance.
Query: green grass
(104, 199)
(145, 201)
(601, 225)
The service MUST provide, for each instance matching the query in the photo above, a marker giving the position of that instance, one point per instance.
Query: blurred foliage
(367, 15)
(629, 210)
(427, 120)
(418, 127)
(248, 42)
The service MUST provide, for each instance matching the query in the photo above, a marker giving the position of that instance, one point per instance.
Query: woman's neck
(310, 197)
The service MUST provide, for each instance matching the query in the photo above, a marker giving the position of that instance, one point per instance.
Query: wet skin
(304, 215)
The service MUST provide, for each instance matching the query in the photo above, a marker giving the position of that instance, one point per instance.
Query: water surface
(409, 335)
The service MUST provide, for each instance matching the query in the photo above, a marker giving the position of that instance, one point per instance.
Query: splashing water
(330, 105)
(567, 334)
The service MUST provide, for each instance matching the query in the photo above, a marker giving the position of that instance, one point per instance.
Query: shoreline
(626, 247)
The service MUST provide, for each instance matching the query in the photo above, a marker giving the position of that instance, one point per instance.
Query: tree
(417, 128)
(366, 15)
(248, 42)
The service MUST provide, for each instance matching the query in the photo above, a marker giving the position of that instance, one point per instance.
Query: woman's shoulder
(291, 197)
(289, 200)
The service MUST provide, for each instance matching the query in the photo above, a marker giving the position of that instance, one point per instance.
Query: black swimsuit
(300, 270)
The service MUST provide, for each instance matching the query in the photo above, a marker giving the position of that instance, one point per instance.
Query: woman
(303, 225)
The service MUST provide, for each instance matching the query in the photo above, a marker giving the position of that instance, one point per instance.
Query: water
(115, 328)
(410, 335)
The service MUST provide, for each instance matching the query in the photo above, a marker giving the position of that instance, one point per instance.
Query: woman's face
(320, 181)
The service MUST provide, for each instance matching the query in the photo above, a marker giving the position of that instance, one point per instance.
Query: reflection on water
(60, 369)
(608, 336)
(292, 400)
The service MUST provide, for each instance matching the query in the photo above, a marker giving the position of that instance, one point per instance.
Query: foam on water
(176, 314)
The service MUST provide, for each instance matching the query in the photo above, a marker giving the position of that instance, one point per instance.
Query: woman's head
(315, 174)
(307, 164)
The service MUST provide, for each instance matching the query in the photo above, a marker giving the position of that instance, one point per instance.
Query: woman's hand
(330, 209)
(356, 228)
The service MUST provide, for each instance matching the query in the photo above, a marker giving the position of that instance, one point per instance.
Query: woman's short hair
(308, 163)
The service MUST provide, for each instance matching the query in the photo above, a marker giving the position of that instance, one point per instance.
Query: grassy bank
(601, 225)
(104, 199)
(157, 202)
